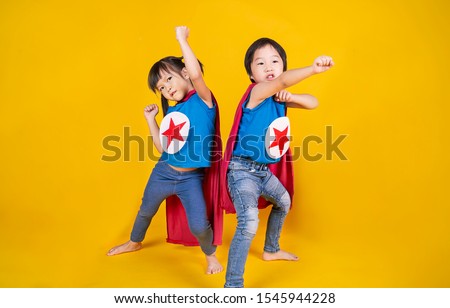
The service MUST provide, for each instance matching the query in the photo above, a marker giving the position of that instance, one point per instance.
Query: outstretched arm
(305, 101)
(192, 66)
(289, 78)
(150, 113)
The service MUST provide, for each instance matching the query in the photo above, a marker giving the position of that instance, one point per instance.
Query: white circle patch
(278, 137)
(174, 131)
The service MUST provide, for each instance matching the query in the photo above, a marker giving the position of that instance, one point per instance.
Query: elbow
(314, 103)
(195, 76)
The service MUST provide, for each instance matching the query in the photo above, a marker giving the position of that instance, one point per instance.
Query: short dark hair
(166, 64)
(249, 55)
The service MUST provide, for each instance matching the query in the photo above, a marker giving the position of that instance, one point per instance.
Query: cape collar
(188, 96)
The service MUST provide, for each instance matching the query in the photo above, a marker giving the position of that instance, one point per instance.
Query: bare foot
(214, 265)
(125, 247)
(279, 255)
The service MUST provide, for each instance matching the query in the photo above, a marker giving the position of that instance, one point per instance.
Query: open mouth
(270, 76)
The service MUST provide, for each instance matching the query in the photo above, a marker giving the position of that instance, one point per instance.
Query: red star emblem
(280, 139)
(173, 132)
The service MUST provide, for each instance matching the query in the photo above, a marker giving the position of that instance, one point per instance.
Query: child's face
(266, 65)
(173, 86)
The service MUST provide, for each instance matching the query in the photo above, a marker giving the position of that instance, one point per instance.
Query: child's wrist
(313, 70)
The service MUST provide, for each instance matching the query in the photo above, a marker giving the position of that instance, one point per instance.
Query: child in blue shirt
(259, 142)
(180, 170)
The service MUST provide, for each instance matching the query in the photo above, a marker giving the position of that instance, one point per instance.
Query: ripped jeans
(247, 181)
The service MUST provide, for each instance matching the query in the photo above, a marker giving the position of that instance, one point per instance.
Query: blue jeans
(247, 181)
(187, 185)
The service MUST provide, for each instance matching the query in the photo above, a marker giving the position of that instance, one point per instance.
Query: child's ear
(184, 73)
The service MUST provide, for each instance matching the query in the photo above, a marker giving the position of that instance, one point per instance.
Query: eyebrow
(260, 58)
(158, 83)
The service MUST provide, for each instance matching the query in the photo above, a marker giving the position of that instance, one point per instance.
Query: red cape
(283, 169)
(177, 226)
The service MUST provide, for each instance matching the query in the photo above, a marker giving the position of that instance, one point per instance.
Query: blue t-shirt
(250, 141)
(196, 152)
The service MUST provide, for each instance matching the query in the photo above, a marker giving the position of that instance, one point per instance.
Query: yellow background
(72, 73)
